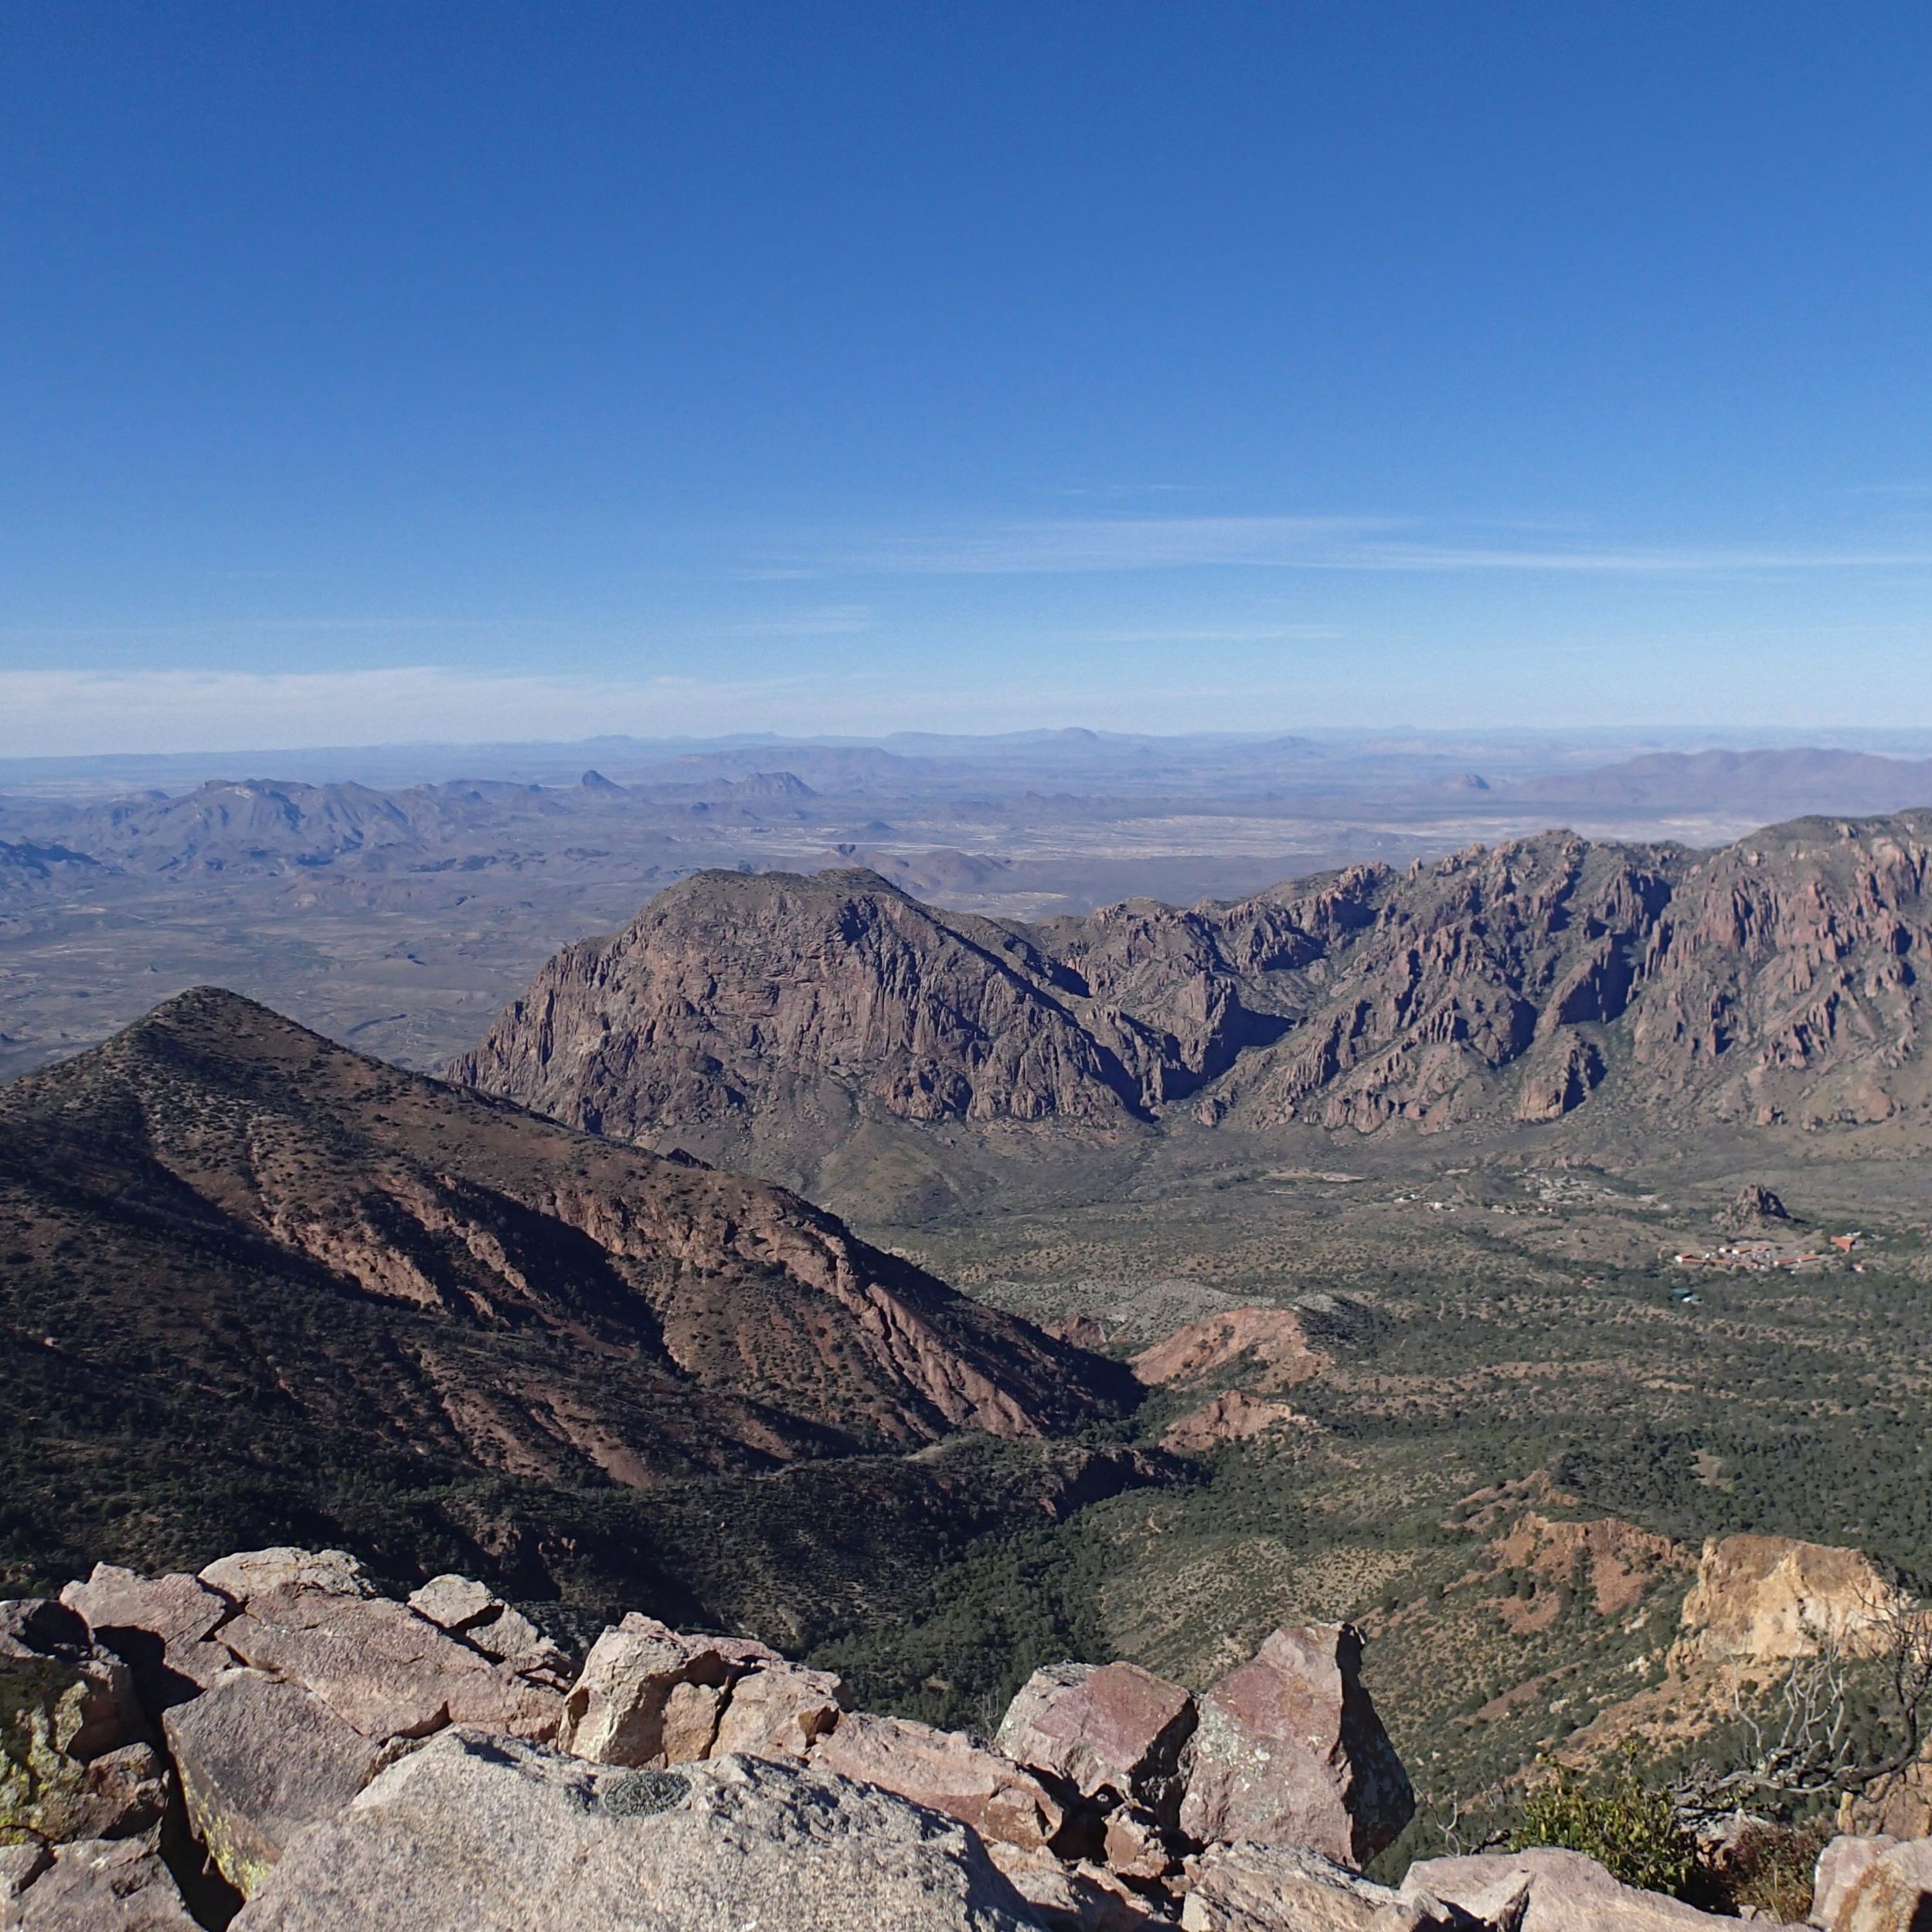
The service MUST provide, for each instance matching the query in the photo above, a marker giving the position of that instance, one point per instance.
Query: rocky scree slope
(1774, 981)
(226, 1241)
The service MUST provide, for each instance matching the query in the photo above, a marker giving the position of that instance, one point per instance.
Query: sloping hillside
(235, 1254)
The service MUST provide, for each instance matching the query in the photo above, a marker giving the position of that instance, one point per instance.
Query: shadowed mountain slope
(224, 1240)
(1771, 982)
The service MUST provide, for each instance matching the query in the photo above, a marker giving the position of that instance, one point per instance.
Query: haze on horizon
(375, 374)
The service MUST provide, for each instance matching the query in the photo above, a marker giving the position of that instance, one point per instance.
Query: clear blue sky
(389, 370)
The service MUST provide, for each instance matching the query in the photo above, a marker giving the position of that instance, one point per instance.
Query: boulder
(97, 1885)
(160, 1626)
(690, 1721)
(489, 1834)
(619, 1711)
(1278, 1888)
(1899, 1807)
(382, 1668)
(1134, 1843)
(1871, 1885)
(248, 1572)
(1109, 1730)
(65, 1702)
(1840, 1866)
(260, 1760)
(122, 1792)
(511, 1638)
(946, 1771)
(1072, 1897)
(1289, 1751)
(1551, 1891)
(779, 1712)
(453, 1603)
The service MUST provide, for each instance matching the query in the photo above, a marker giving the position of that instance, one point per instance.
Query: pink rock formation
(1112, 1729)
(1290, 1751)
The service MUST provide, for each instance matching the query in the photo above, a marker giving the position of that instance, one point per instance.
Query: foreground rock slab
(381, 1668)
(1874, 1885)
(479, 1833)
(1076, 1897)
(249, 1573)
(260, 1760)
(946, 1771)
(1290, 1751)
(1271, 1888)
(1552, 1891)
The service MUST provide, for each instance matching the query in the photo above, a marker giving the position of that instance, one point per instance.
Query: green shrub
(1629, 1829)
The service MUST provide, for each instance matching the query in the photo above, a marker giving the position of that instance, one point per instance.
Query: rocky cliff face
(236, 1244)
(1773, 982)
(732, 994)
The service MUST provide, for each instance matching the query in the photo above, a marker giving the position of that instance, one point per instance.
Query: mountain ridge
(1769, 983)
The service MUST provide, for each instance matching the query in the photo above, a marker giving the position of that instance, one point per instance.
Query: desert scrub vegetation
(1630, 1826)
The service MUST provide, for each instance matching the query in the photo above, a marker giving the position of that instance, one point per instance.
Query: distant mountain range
(269, 826)
(1774, 783)
(259, 826)
(1772, 983)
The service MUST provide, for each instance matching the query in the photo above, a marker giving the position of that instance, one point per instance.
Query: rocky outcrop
(1766, 1600)
(1290, 1751)
(1618, 1561)
(726, 991)
(1272, 1339)
(710, 1782)
(1771, 982)
(1234, 1416)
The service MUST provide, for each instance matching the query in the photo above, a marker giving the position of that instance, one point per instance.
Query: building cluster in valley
(1761, 1256)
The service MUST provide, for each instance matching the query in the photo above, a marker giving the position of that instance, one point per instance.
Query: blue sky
(371, 372)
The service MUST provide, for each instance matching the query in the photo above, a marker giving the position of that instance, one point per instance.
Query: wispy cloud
(1214, 634)
(1044, 546)
(828, 620)
(65, 713)
(75, 714)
